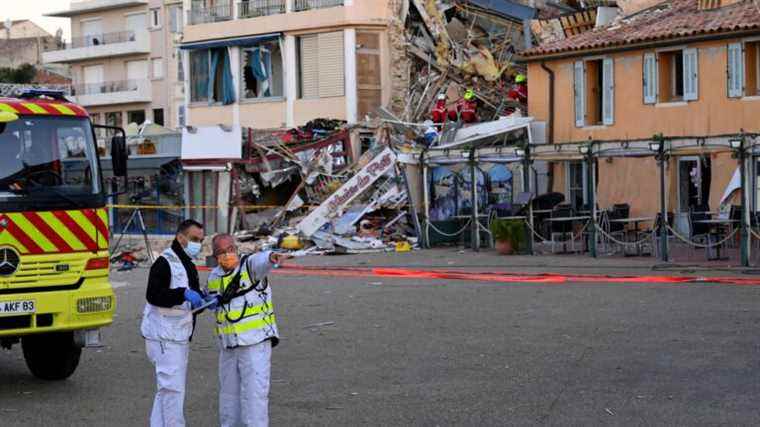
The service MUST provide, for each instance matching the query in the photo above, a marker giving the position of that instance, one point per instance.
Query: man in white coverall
(168, 322)
(246, 329)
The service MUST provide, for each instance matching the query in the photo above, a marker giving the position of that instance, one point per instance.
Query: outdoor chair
(617, 229)
(699, 233)
(562, 231)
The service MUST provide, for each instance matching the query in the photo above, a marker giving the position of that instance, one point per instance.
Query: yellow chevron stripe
(32, 232)
(7, 108)
(103, 240)
(63, 231)
(103, 214)
(36, 109)
(63, 109)
(83, 222)
(7, 239)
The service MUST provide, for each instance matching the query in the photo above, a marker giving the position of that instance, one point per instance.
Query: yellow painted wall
(210, 116)
(263, 115)
(309, 109)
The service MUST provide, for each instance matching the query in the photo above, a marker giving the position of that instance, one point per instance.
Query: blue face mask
(193, 249)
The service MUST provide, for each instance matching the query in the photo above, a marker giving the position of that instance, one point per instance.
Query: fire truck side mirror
(119, 156)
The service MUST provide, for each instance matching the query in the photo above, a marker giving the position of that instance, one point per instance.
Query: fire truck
(55, 295)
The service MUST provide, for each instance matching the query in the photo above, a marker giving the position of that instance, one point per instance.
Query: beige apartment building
(281, 63)
(124, 60)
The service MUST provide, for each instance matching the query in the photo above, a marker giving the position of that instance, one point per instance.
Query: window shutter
(650, 78)
(691, 75)
(331, 66)
(608, 94)
(309, 67)
(735, 70)
(580, 94)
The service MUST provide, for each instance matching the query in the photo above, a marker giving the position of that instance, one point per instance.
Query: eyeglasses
(228, 250)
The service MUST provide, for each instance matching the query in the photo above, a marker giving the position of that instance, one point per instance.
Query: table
(714, 234)
(567, 219)
(635, 221)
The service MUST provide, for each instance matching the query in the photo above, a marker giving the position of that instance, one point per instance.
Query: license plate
(17, 307)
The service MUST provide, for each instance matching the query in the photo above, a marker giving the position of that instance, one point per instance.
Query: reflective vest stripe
(220, 284)
(249, 325)
(222, 315)
(214, 285)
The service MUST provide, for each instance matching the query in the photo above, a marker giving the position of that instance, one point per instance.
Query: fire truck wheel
(52, 356)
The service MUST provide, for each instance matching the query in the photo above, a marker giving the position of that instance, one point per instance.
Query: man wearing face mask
(168, 322)
(247, 331)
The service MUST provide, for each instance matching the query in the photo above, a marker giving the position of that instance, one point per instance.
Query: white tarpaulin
(212, 142)
(733, 185)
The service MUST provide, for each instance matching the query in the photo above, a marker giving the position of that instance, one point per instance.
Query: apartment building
(684, 69)
(281, 63)
(124, 59)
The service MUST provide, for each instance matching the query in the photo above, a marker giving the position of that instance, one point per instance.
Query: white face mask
(193, 249)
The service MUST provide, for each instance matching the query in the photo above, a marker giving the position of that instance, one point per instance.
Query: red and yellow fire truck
(54, 289)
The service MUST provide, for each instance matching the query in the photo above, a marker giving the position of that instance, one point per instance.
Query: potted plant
(508, 234)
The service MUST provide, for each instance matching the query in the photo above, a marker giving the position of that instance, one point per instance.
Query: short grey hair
(217, 239)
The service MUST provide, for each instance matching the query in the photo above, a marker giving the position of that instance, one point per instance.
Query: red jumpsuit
(439, 111)
(466, 110)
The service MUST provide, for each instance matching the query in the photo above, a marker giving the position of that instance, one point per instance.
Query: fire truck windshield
(48, 159)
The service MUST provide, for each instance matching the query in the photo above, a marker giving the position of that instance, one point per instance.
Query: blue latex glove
(208, 298)
(194, 297)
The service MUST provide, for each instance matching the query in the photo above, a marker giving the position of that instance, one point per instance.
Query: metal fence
(101, 39)
(204, 15)
(301, 5)
(254, 8)
(105, 87)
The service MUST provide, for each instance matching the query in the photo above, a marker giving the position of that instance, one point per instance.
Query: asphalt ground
(387, 351)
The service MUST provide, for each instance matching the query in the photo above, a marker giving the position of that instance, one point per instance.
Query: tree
(20, 75)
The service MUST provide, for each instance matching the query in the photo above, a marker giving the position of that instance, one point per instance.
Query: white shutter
(580, 93)
(331, 64)
(608, 91)
(650, 78)
(735, 70)
(691, 75)
(309, 66)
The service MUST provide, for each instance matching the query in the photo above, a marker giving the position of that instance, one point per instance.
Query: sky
(34, 9)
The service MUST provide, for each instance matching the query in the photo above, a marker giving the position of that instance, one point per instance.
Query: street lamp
(735, 143)
(583, 149)
(654, 146)
(519, 152)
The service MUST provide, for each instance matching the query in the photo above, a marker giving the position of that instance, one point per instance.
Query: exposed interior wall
(399, 61)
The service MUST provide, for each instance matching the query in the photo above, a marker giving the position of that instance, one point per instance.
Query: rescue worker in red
(439, 111)
(466, 108)
(519, 91)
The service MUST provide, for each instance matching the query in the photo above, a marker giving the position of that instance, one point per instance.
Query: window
(175, 19)
(743, 69)
(158, 116)
(92, 33)
(320, 65)
(95, 117)
(211, 76)
(181, 116)
(576, 183)
(137, 71)
(671, 76)
(136, 116)
(158, 68)
(180, 67)
(262, 71)
(594, 92)
(155, 18)
(114, 119)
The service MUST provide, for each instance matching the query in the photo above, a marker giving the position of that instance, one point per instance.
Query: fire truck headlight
(94, 304)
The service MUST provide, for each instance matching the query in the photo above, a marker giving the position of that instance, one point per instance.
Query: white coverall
(245, 346)
(167, 332)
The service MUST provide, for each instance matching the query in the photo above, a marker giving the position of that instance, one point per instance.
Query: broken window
(321, 65)
(677, 74)
(744, 69)
(211, 76)
(262, 70)
(594, 92)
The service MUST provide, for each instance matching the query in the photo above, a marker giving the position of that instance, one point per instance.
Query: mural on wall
(450, 190)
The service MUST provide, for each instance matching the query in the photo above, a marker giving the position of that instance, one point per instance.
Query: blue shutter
(691, 75)
(735, 72)
(580, 93)
(608, 91)
(650, 78)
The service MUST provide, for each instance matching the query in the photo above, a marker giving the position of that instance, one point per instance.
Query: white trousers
(244, 385)
(170, 361)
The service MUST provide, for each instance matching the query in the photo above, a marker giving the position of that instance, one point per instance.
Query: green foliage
(20, 75)
(511, 230)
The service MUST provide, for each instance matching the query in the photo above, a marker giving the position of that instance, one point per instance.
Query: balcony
(199, 14)
(256, 8)
(90, 6)
(115, 92)
(100, 46)
(302, 5)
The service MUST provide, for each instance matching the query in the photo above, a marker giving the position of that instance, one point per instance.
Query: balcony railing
(102, 39)
(301, 5)
(105, 87)
(254, 8)
(204, 15)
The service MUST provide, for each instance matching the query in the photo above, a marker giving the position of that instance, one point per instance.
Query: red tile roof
(675, 19)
